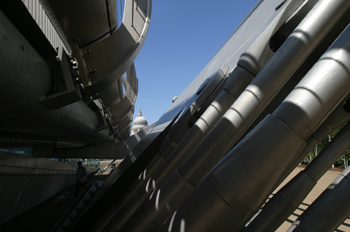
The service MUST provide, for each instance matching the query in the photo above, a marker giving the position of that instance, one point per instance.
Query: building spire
(140, 113)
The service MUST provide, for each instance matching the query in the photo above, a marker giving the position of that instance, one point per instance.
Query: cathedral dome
(139, 123)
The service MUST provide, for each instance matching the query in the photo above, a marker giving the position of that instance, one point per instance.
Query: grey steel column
(285, 201)
(202, 126)
(260, 92)
(329, 210)
(161, 167)
(236, 188)
(177, 132)
(239, 117)
(339, 117)
(250, 63)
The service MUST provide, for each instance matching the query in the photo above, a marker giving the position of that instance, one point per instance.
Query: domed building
(140, 122)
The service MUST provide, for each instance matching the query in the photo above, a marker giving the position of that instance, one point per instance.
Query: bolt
(87, 52)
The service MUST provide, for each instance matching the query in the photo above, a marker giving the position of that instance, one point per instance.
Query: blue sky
(182, 39)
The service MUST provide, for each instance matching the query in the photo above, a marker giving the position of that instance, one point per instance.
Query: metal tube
(260, 92)
(329, 210)
(237, 82)
(339, 117)
(248, 106)
(201, 128)
(243, 180)
(178, 130)
(285, 201)
(164, 163)
(250, 62)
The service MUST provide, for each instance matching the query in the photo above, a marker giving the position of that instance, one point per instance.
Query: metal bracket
(70, 92)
